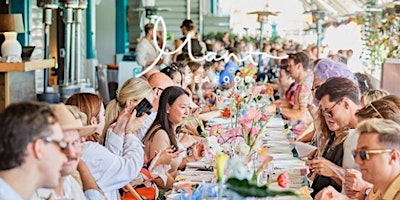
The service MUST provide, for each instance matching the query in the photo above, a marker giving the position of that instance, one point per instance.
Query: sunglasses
(376, 110)
(62, 144)
(314, 89)
(365, 154)
(157, 88)
(328, 113)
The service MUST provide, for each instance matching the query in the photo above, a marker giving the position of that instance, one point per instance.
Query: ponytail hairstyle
(132, 89)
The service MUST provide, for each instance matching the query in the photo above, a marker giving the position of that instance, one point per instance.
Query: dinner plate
(185, 182)
(196, 164)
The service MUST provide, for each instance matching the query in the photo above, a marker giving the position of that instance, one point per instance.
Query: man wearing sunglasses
(31, 150)
(339, 99)
(378, 156)
(70, 119)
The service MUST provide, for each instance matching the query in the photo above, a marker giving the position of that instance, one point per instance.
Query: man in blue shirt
(227, 75)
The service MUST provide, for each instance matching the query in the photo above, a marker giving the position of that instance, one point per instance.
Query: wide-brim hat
(70, 119)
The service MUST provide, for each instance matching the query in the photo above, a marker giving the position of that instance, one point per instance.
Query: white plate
(195, 173)
(185, 182)
(196, 164)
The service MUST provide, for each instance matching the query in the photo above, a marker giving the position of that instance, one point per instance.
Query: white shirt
(71, 189)
(7, 193)
(147, 123)
(146, 51)
(115, 168)
(348, 145)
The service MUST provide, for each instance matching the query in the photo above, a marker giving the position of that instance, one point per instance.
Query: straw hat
(71, 119)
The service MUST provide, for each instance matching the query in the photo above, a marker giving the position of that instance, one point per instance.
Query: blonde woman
(372, 95)
(131, 93)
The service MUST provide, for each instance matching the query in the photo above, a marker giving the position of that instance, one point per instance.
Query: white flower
(213, 145)
(257, 144)
(242, 149)
(239, 169)
(227, 148)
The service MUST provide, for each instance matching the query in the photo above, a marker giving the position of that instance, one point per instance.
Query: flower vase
(11, 48)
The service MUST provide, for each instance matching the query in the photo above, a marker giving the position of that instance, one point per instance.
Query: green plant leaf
(246, 189)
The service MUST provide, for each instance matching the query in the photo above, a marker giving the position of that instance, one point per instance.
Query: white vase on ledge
(11, 49)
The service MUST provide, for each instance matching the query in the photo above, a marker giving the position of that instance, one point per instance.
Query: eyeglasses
(328, 113)
(365, 154)
(314, 89)
(62, 144)
(172, 67)
(157, 88)
(376, 110)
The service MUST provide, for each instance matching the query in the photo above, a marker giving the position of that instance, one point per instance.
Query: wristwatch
(367, 191)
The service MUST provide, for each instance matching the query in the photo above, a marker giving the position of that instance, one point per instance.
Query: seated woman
(372, 95)
(131, 93)
(339, 99)
(173, 108)
(354, 186)
(92, 105)
(111, 170)
(150, 174)
(172, 72)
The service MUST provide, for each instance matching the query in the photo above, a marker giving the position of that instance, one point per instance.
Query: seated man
(68, 187)
(31, 150)
(378, 156)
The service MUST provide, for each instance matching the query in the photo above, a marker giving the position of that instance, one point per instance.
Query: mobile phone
(143, 107)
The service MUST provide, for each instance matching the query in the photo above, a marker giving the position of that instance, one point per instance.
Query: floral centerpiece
(248, 119)
(241, 141)
(245, 181)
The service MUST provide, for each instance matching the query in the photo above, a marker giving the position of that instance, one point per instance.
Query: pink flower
(187, 187)
(253, 114)
(230, 135)
(238, 98)
(254, 91)
(283, 180)
(216, 129)
(245, 122)
(264, 117)
(253, 131)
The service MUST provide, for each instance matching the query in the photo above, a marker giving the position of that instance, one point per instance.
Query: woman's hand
(122, 120)
(135, 123)
(167, 155)
(127, 122)
(198, 151)
(324, 167)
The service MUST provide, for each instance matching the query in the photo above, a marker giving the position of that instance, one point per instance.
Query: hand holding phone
(143, 107)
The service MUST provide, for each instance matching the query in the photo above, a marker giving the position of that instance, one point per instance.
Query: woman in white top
(116, 166)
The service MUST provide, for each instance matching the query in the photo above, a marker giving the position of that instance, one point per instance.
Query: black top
(335, 155)
(196, 49)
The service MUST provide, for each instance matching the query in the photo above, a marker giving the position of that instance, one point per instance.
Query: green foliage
(246, 189)
(218, 37)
